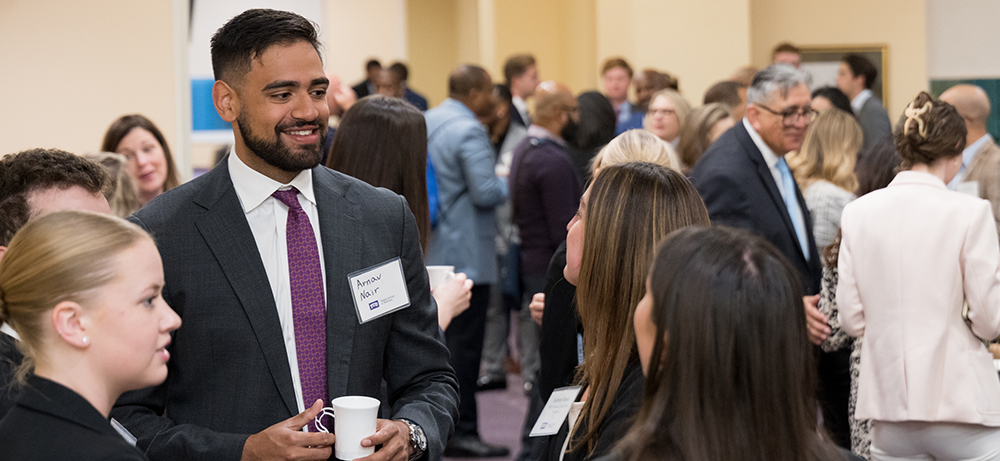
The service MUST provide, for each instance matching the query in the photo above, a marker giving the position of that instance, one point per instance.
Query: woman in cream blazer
(910, 255)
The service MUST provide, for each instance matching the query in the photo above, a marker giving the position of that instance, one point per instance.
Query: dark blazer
(560, 325)
(228, 373)
(740, 192)
(361, 89)
(874, 121)
(416, 99)
(51, 422)
(617, 422)
(10, 359)
(515, 116)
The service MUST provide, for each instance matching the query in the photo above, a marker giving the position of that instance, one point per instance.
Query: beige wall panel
(432, 47)
(354, 34)
(962, 38)
(900, 24)
(72, 67)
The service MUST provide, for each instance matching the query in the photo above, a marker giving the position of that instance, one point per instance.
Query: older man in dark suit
(258, 254)
(746, 183)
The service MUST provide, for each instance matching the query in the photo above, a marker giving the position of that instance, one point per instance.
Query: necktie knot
(783, 167)
(290, 197)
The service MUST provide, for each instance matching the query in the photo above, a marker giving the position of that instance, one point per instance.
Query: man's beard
(276, 153)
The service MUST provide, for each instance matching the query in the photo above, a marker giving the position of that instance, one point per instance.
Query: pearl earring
(85, 340)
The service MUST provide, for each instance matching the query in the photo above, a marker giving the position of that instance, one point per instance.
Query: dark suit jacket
(416, 99)
(560, 325)
(740, 192)
(874, 121)
(10, 359)
(515, 116)
(228, 373)
(51, 422)
(361, 89)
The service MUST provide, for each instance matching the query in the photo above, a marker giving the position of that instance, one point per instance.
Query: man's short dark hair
(400, 71)
(466, 78)
(727, 93)
(38, 169)
(861, 66)
(785, 48)
(372, 63)
(517, 65)
(616, 62)
(836, 97)
(244, 38)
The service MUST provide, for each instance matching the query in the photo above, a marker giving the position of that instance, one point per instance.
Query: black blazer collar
(61, 402)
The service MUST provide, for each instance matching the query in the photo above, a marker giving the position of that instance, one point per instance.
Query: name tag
(555, 411)
(379, 290)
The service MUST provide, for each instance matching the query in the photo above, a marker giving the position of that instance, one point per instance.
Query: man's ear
(226, 101)
(752, 113)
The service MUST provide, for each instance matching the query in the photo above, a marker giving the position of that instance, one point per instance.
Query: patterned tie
(792, 203)
(308, 310)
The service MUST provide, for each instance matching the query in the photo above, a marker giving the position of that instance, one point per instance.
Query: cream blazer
(909, 254)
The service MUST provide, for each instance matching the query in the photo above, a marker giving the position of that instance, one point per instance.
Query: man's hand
(817, 324)
(452, 298)
(286, 440)
(394, 436)
(537, 307)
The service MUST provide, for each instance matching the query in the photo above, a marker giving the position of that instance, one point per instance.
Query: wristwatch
(418, 442)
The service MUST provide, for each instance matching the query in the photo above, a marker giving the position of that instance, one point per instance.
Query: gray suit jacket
(468, 189)
(228, 373)
(874, 121)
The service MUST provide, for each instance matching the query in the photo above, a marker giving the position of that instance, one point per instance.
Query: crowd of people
(704, 275)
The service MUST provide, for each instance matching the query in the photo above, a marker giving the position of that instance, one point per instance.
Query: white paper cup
(354, 419)
(439, 275)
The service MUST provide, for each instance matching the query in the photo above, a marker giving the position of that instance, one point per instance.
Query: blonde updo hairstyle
(633, 146)
(62, 256)
(929, 130)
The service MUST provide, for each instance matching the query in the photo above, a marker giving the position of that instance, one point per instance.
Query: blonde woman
(634, 146)
(123, 197)
(666, 115)
(824, 169)
(703, 126)
(82, 291)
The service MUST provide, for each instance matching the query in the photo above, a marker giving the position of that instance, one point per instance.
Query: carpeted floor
(501, 415)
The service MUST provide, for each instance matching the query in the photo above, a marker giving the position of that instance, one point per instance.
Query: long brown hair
(125, 124)
(631, 207)
(733, 376)
(383, 141)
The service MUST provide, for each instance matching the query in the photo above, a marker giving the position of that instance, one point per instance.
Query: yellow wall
(432, 46)
(71, 68)
(353, 35)
(900, 24)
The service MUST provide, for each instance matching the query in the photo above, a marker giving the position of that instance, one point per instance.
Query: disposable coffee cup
(353, 420)
(440, 275)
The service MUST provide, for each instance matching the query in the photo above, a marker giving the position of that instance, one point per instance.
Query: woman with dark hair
(627, 209)
(826, 97)
(383, 142)
(722, 340)
(144, 147)
(912, 258)
(875, 168)
(595, 130)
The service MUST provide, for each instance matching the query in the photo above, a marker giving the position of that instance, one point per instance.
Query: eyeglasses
(791, 116)
(663, 112)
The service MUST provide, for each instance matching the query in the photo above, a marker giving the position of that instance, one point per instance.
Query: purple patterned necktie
(308, 311)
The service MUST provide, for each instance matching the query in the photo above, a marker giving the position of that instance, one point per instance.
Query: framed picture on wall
(823, 61)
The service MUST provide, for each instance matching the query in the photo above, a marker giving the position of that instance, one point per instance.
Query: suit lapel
(227, 234)
(764, 172)
(343, 252)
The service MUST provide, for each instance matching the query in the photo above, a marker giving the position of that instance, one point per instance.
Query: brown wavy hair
(829, 151)
(125, 124)
(928, 130)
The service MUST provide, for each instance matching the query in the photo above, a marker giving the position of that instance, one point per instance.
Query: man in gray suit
(855, 78)
(981, 158)
(257, 257)
(469, 191)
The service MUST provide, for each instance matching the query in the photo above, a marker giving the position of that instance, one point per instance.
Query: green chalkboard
(992, 88)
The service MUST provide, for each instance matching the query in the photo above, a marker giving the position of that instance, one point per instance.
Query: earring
(85, 340)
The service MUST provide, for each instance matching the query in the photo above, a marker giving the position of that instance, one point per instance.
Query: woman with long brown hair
(627, 209)
(148, 156)
(721, 336)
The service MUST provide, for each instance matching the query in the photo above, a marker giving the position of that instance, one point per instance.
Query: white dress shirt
(859, 101)
(771, 159)
(522, 108)
(268, 217)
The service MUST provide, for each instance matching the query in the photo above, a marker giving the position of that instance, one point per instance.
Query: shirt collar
(769, 156)
(253, 188)
(971, 149)
(6, 328)
(536, 131)
(520, 104)
(859, 101)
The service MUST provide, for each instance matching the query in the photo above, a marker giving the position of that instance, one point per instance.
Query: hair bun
(929, 130)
